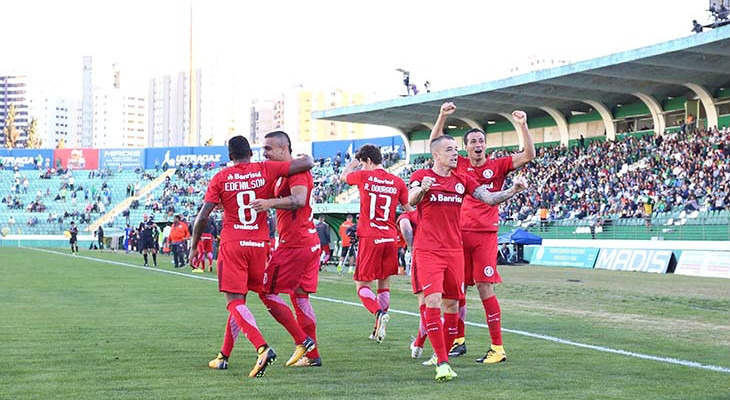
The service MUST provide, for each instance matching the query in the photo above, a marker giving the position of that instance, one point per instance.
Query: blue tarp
(519, 236)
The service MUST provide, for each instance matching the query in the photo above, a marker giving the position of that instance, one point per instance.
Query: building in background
(168, 122)
(14, 90)
(292, 110)
(87, 100)
(262, 119)
(57, 119)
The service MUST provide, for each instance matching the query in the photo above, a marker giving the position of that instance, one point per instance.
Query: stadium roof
(698, 63)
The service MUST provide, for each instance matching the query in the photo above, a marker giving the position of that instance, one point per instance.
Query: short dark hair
(439, 139)
(370, 151)
(280, 134)
(238, 148)
(470, 131)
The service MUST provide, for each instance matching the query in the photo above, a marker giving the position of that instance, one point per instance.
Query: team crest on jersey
(488, 271)
(459, 188)
(488, 173)
(415, 184)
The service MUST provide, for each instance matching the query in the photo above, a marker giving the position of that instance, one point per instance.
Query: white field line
(668, 360)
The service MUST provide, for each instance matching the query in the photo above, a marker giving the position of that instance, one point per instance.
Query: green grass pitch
(74, 328)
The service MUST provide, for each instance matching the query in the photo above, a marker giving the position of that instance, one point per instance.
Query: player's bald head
(441, 141)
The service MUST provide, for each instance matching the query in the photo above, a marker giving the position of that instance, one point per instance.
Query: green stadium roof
(660, 71)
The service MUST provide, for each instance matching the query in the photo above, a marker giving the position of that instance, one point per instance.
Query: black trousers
(177, 253)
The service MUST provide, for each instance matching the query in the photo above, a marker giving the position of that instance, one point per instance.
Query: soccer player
(127, 238)
(439, 193)
(480, 223)
(73, 240)
(205, 247)
(377, 257)
(407, 223)
(294, 265)
(345, 257)
(244, 241)
(147, 240)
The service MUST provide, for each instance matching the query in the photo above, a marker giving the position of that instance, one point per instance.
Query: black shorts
(72, 241)
(148, 244)
(344, 250)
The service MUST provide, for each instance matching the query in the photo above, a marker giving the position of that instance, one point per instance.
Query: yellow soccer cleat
(266, 356)
(445, 373)
(305, 347)
(308, 362)
(431, 361)
(495, 355)
(220, 362)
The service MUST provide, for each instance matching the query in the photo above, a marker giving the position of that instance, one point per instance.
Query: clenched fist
(520, 117)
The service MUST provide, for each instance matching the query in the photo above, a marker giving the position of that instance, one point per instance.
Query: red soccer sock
(434, 328)
(384, 299)
(229, 338)
(421, 337)
(494, 319)
(306, 319)
(462, 319)
(246, 322)
(451, 322)
(283, 315)
(367, 297)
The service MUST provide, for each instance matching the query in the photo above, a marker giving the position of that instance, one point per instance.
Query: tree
(32, 141)
(10, 131)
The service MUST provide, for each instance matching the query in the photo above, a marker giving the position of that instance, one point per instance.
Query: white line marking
(668, 360)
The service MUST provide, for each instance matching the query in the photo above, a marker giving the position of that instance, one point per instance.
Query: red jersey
(475, 215)
(235, 188)
(296, 227)
(440, 209)
(411, 216)
(380, 193)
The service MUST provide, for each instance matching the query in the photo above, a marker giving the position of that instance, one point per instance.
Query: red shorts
(291, 268)
(415, 283)
(205, 244)
(377, 258)
(480, 257)
(241, 268)
(441, 271)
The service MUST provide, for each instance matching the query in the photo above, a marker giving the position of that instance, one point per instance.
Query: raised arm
(200, 222)
(406, 229)
(352, 166)
(297, 199)
(483, 194)
(447, 109)
(302, 164)
(528, 153)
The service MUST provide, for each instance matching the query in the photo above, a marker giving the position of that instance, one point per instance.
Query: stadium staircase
(121, 206)
(351, 194)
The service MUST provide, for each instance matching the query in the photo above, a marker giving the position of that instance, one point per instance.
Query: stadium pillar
(606, 116)
(657, 114)
(516, 126)
(707, 102)
(562, 123)
(406, 143)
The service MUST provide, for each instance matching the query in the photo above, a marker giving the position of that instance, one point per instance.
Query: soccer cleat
(416, 352)
(305, 347)
(308, 362)
(434, 360)
(198, 271)
(457, 350)
(266, 356)
(339, 269)
(145, 264)
(372, 335)
(350, 271)
(381, 321)
(495, 355)
(220, 362)
(445, 373)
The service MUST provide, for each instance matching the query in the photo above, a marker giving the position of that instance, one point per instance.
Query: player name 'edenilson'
(246, 185)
